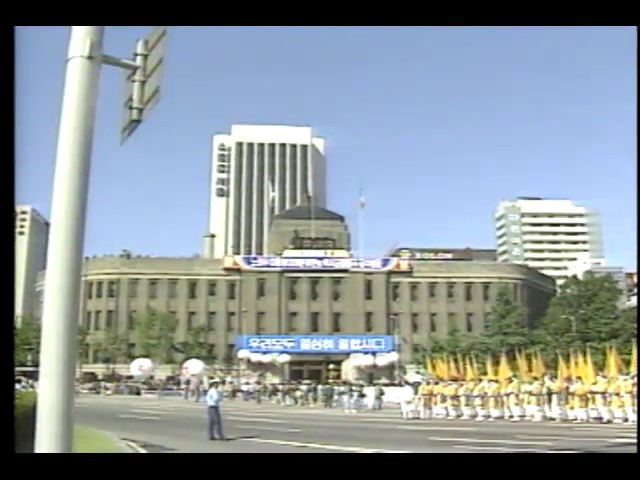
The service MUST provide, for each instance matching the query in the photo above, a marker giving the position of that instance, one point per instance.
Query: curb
(135, 448)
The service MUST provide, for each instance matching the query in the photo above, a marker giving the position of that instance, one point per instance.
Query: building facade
(257, 172)
(547, 235)
(31, 237)
(281, 295)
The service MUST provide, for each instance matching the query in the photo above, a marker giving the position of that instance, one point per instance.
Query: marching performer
(494, 400)
(535, 402)
(580, 400)
(599, 391)
(627, 389)
(425, 397)
(465, 394)
(407, 407)
(615, 400)
(452, 400)
(514, 405)
(440, 400)
(480, 399)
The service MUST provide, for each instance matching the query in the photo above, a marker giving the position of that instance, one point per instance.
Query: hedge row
(24, 421)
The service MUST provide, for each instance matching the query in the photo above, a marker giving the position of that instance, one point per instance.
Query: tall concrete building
(257, 172)
(31, 235)
(548, 235)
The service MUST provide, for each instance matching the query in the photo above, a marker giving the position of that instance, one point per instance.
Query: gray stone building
(416, 305)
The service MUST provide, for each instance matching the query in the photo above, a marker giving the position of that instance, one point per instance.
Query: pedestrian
(214, 420)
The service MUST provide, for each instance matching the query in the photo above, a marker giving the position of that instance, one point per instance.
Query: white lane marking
(514, 450)
(487, 440)
(269, 429)
(139, 417)
(434, 428)
(318, 446)
(152, 411)
(623, 440)
(254, 420)
(573, 438)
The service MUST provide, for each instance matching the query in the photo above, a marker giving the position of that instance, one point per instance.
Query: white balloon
(266, 358)
(356, 361)
(284, 358)
(381, 360)
(193, 367)
(243, 354)
(368, 361)
(141, 367)
(255, 357)
(393, 357)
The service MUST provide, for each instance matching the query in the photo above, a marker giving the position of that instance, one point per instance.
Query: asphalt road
(174, 425)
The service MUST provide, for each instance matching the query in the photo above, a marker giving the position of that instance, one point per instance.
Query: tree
(196, 344)
(504, 327)
(83, 345)
(585, 312)
(26, 338)
(155, 335)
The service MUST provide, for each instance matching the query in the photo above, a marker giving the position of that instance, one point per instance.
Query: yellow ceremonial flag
(582, 365)
(469, 374)
(474, 365)
(453, 370)
(613, 363)
(442, 369)
(574, 368)
(540, 368)
(489, 368)
(563, 369)
(460, 364)
(633, 361)
(521, 361)
(590, 371)
(504, 370)
(429, 367)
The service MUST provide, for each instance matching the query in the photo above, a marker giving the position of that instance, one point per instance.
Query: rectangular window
(368, 289)
(153, 289)
(211, 289)
(112, 289)
(192, 289)
(413, 292)
(231, 321)
(260, 322)
(111, 320)
(133, 316)
(261, 288)
(133, 288)
(172, 289)
(315, 322)
(192, 320)
(211, 321)
(469, 323)
(293, 322)
(336, 293)
(432, 290)
(451, 291)
(97, 321)
(395, 292)
(98, 289)
(293, 289)
(486, 296)
(315, 289)
(368, 322)
(231, 290)
(89, 290)
(468, 292)
(433, 322)
(337, 328)
(414, 323)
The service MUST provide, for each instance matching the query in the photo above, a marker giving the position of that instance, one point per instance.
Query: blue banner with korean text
(248, 262)
(316, 344)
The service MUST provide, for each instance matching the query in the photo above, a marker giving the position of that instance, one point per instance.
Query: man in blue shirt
(213, 400)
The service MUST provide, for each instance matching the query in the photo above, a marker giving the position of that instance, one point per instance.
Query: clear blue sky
(438, 124)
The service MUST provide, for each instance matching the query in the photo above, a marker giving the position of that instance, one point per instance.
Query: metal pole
(54, 422)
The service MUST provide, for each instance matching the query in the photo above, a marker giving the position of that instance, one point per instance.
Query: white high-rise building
(258, 171)
(548, 235)
(31, 236)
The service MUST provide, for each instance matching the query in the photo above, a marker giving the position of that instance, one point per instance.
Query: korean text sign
(316, 344)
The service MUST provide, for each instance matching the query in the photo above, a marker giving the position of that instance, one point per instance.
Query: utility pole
(59, 345)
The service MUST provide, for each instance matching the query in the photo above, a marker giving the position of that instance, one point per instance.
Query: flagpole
(361, 205)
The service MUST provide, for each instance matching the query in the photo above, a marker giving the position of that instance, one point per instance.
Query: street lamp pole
(54, 422)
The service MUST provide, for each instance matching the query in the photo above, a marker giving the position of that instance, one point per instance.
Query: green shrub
(24, 421)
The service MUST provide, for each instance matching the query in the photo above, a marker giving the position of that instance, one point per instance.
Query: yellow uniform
(465, 392)
(494, 400)
(627, 390)
(453, 402)
(535, 401)
(479, 400)
(599, 394)
(440, 403)
(425, 394)
(513, 391)
(615, 401)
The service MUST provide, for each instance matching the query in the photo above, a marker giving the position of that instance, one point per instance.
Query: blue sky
(437, 123)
